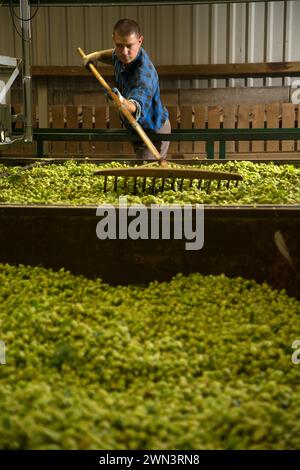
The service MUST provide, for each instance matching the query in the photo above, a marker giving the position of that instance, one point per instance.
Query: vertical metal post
(222, 150)
(26, 52)
(40, 148)
(210, 152)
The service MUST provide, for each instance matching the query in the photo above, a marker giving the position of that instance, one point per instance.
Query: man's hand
(91, 59)
(110, 100)
(130, 105)
(104, 56)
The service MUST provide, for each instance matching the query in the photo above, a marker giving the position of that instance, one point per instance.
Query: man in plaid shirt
(137, 83)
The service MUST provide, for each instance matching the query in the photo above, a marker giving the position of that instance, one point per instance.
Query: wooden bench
(272, 116)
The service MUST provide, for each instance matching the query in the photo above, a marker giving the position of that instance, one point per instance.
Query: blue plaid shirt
(138, 81)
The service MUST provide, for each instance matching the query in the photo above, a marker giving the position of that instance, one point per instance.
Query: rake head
(173, 175)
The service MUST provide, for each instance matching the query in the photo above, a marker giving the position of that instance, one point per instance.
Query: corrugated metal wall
(191, 34)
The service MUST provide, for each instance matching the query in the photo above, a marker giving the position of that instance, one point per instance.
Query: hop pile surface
(196, 363)
(75, 183)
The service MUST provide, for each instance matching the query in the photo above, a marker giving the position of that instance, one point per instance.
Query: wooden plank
(114, 123)
(241, 95)
(42, 97)
(258, 122)
(89, 98)
(100, 123)
(199, 123)
(243, 122)
(173, 110)
(288, 121)
(214, 120)
(229, 120)
(239, 70)
(106, 71)
(87, 123)
(169, 97)
(272, 111)
(57, 112)
(127, 148)
(186, 122)
(72, 123)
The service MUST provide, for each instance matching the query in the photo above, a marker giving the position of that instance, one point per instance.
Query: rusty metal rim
(259, 211)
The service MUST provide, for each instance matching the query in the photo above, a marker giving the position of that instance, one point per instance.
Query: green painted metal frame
(210, 136)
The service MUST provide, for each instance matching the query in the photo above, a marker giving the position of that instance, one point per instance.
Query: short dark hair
(125, 27)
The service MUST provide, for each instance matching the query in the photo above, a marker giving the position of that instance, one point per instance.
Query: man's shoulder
(145, 59)
(146, 66)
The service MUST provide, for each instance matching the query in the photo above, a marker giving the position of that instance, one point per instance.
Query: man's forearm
(130, 106)
(105, 56)
(98, 56)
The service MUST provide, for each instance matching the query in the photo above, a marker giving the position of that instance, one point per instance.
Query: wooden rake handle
(125, 112)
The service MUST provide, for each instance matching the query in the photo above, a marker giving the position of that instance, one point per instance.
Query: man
(137, 83)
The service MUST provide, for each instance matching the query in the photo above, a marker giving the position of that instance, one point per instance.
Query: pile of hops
(200, 362)
(75, 183)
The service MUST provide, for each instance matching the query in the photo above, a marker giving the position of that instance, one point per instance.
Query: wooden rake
(161, 169)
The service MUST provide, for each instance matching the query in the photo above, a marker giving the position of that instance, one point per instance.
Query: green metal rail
(210, 136)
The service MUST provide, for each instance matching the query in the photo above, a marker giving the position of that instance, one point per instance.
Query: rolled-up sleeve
(138, 111)
(142, 93)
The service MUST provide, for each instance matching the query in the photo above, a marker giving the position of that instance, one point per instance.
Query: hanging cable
(14, 16)
(19, 17)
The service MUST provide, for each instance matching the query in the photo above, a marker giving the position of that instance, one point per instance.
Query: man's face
(127, 47)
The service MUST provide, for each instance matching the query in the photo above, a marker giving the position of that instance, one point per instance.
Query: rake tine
(144, 184)
(170, 177)
(116, 184)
